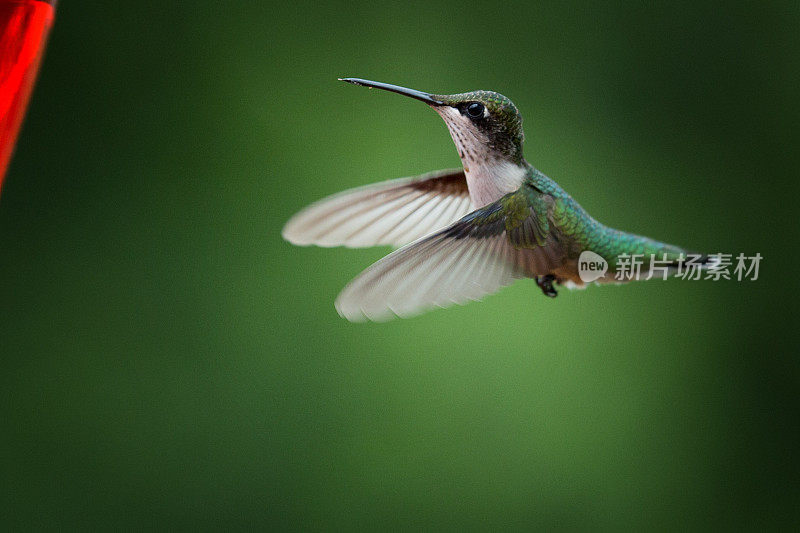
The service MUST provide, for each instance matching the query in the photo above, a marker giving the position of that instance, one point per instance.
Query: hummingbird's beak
(419, 95)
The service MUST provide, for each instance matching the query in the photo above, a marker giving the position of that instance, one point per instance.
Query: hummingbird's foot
(546, 284)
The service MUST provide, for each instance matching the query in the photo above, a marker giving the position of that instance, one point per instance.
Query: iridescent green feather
(580, 232)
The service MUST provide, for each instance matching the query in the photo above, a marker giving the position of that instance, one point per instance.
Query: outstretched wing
(394, 212)
(478, 255)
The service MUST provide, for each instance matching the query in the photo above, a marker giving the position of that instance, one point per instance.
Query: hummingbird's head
(485, 125)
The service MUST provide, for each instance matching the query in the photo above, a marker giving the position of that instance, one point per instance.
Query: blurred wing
(394, 212)
(478, 255)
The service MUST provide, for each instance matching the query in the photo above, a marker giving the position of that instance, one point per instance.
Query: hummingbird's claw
(546, 284)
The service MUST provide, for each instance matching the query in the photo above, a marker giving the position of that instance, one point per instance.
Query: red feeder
(23, 32)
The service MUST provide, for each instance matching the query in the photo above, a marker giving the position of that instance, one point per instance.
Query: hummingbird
(465, 233)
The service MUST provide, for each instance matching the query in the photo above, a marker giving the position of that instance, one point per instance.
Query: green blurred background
(168, 361)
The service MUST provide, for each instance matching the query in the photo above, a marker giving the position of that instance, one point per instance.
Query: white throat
(490, 180)
(489, 176)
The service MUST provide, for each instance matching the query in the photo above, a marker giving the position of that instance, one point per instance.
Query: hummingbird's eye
(475, 110)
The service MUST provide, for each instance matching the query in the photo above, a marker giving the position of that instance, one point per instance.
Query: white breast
(489, 181)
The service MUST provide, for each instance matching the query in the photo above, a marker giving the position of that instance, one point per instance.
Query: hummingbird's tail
(633, 257)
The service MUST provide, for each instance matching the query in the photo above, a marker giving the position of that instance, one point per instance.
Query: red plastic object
(24, 25)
